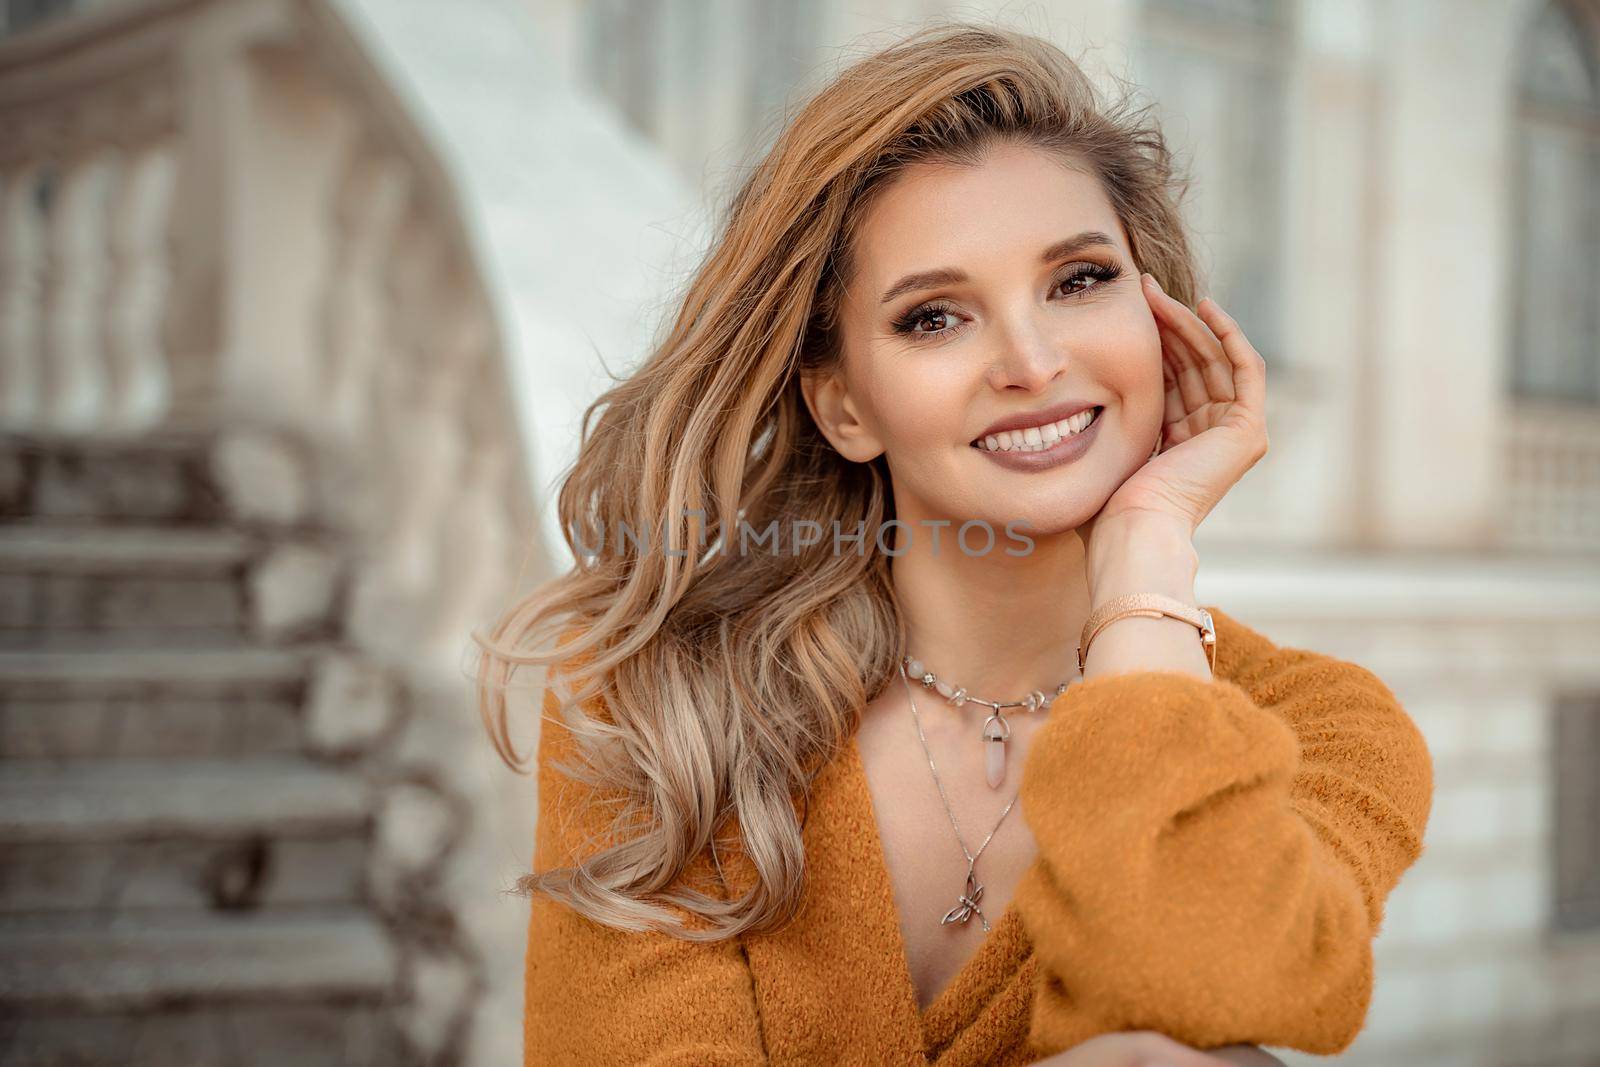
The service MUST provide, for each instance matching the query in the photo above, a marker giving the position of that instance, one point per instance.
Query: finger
(1205, 349)
(1245, 1056)
(1175, 408)
(1171, 1051)
(1185, 366)
(1188, 367)
(1190, 408)
(1178, 362)
(1249, 369)
(1180, 431)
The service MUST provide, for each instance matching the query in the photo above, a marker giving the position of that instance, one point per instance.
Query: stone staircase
(185, 849)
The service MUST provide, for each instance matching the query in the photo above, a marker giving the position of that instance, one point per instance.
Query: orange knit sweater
(1213, 862)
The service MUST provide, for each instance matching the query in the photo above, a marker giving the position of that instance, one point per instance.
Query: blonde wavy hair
(722, 680)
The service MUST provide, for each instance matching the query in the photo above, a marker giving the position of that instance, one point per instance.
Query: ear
(835, 412)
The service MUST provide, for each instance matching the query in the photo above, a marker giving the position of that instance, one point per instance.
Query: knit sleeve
(598, 994)
(1214, 855)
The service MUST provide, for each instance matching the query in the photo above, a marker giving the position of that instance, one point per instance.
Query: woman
(935, 417)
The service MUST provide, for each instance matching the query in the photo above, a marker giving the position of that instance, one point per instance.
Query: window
(701, 77)
(1555, 348)
(1219, 72)
(1577, 816)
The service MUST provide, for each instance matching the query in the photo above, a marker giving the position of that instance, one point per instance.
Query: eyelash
(906, 323)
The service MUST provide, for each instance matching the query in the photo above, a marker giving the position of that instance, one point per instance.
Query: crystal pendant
(995, 733)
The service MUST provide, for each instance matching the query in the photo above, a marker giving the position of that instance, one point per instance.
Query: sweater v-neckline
(951, 1007)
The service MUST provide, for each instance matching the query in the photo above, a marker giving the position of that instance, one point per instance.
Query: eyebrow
(928, 279)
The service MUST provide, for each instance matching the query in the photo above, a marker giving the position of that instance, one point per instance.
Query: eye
(908, 323)
(1100, 272)
(939, 312)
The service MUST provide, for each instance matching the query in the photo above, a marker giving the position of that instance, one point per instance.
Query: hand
(1149, 1048)
(1247, 1056)
(1214, 428)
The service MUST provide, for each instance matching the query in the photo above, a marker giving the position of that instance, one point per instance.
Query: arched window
(1219, 71)
(1555, 348)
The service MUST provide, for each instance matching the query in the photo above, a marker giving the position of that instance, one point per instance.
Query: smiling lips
(1037, 438)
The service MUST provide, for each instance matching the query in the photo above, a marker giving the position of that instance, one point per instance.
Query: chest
(927, 867)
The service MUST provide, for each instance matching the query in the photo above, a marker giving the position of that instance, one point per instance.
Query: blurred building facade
(299, 304)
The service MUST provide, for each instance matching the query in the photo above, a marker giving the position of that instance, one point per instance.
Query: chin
(1042, 520)
(1060, 522)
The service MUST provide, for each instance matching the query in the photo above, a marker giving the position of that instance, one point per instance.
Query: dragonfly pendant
(969, 904)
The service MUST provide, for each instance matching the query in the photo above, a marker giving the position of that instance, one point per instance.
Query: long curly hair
(708, 684)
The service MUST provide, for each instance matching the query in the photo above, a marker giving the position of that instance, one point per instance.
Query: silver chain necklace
(967, 905)
(996, 730)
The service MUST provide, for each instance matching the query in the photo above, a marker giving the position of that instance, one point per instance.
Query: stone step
(329, 1034)
(199, 874)
(93, 670)
(149, 728)
(143, 961)
(116, 800)
(41, 611)
(230, 701)
(35, 547)
(164, 475)
(94, 578)
(130, 638)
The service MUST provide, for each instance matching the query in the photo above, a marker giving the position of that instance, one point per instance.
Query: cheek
(1128, 357)
(915, 414)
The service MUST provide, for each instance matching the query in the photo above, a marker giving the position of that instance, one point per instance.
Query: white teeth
(1038, 438)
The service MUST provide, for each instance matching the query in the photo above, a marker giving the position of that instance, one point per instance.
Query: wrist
(1142, 554)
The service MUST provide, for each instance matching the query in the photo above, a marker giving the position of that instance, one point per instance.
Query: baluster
(76, 277)
(22, 240)
(369, 209)
(141, 381)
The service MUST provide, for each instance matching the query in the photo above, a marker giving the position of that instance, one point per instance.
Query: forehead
(1017, 201)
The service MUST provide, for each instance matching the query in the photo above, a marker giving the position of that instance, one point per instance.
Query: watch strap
(1149, 605)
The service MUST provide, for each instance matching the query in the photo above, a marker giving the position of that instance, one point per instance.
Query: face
(980, 295)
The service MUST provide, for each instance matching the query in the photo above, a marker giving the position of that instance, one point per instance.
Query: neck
(998, 625)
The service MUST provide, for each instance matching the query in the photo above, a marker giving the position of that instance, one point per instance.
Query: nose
(1028, 358)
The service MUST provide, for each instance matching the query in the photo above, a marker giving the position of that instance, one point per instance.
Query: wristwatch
(1153, 606)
